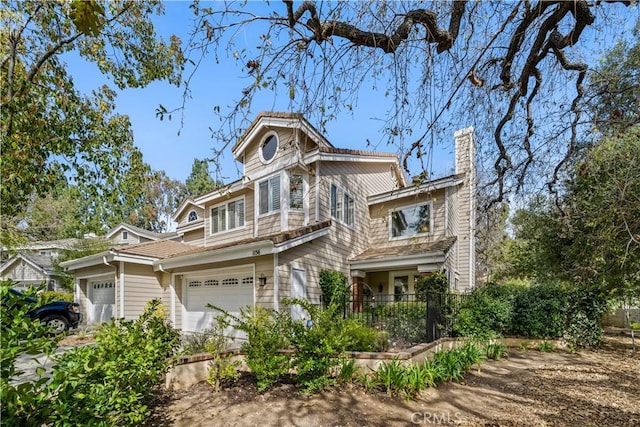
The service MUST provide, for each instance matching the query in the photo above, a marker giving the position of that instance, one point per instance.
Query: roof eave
(106, 258)
(249, 250)
(420, 261)
(413, 190)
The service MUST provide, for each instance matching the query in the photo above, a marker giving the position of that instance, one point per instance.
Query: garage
(102, 296)
(230, 289)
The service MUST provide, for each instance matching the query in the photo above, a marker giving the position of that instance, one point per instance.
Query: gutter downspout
(172, 298)
(121, 288)
(276, 297)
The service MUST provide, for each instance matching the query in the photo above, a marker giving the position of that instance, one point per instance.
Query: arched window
(193, 216)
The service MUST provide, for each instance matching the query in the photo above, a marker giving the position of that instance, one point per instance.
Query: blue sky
(168, 146)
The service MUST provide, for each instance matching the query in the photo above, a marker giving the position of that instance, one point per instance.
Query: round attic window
(268, 148)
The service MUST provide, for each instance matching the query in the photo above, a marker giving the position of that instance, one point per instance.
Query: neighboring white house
(301, 206)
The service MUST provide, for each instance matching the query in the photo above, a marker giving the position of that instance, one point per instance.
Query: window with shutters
(269, 195)
(227, 216)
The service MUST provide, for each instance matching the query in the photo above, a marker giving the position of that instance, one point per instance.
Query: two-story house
(301, 206)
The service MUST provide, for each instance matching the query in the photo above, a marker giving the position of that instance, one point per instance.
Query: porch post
(357, 290)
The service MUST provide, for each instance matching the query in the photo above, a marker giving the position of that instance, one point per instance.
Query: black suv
(58, 316)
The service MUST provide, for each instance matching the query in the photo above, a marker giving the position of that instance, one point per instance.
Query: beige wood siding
(313, 257)
(179, 303)
(82, 300)
(296, 220)
(269, 224)
(253, 166)
(465, 236)
(141, 285)
(184, 218)
(195, 237)
(23, 271)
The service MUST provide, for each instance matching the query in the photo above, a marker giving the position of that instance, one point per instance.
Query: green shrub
(267, 334)
(495, 350)
(348, 370)
(454, 363)
(223, 370)
(19, 337)
(362, 338)
(105, 384)
(48, 296)
(546, 347)
(113, 381)
(405, 321)
(334, 286)
(541, 311)
(436, 283)
(484, 314)
(392, 376)
(586, 308)
(316, 346)
(195, 343)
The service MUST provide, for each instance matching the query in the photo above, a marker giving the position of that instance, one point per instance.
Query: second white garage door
(102, 295)
(230, 289)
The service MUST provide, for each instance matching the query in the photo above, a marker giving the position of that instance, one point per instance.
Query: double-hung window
(342, 205)
(269, 195)
(227, 216)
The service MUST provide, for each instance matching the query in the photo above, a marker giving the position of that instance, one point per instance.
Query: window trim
(195, 214)
(227, 216)
(269, 211)
(261, 146)
(343, 199)
(390, 220)
(125, 235)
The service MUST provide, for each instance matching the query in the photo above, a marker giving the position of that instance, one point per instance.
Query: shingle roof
(43, 261)
(356, 152)
(405, 250)
(156, 248)
(143, 232)
(277, 238)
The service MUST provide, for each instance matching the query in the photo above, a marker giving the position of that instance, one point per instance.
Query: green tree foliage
(603, 213)
(595, 239)
(199, 181)
(161, 196)
(615, 87)
(48, 127)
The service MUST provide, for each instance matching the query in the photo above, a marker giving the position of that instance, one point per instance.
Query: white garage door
(103, 301)
(229, 289)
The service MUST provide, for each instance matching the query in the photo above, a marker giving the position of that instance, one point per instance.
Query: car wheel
(56, 324)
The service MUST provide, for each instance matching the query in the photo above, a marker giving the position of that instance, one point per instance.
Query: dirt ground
(590, 388)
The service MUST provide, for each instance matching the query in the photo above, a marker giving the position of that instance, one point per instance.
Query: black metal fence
(407, 318)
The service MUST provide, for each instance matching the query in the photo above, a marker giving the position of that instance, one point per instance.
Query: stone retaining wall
(193, 369)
